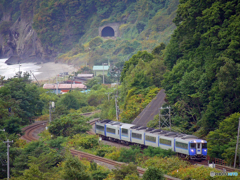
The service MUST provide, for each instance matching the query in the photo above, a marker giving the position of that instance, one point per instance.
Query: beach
(50, 70)
(43, 72)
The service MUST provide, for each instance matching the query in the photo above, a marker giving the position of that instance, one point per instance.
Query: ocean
(10, 70)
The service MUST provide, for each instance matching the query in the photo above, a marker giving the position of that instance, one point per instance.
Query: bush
(68, 125)
(167, 164)
(85, 141)
(196, 172)
(129, 155)
(95, 42)
(152, 151)
(153, 173)
(124, 170)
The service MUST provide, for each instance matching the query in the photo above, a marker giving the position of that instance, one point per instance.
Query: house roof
(64, 86)
(100, 68)
(85, 75)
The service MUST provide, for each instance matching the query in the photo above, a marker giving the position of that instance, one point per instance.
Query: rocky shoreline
(18, 60)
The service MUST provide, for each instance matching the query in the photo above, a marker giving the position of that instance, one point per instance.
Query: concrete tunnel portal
(108, 32)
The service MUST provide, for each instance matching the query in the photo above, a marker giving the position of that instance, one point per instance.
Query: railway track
(28, 131)
(28, 136)
(217, 166)
(87, 156)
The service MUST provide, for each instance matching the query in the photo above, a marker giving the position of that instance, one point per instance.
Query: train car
(188, 146)
(151, 138)
(100, 127)
(138, 135)
(125, 133)
(192, 147)
(166, 140)
(113, 130)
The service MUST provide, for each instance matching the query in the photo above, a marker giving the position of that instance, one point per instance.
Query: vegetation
(202, 81)
(199, 69)
(69, 29)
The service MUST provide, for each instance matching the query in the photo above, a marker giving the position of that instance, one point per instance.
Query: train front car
(198, 149)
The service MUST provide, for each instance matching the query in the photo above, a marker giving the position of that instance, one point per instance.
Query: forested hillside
(71, 27)
(202, 82)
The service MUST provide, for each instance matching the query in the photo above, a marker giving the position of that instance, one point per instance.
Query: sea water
(10, 71)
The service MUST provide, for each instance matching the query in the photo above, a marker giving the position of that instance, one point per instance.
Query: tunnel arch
(108, 32)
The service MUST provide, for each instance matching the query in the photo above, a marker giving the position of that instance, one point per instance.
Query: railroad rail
(28, 130)
(88, 156)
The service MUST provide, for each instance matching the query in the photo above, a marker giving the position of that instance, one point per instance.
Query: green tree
(68, 125)
(27, 97)
(153, 173)
(222, 141)
(121, 172)
(74, 169)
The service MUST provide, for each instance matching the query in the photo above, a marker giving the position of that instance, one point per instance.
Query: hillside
(203, 62)
(68, 30)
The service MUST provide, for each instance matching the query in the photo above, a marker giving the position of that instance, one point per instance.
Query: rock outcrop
(21, 44)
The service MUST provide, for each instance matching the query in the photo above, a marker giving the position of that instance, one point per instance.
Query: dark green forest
(198, 66)
(68, 29)
(203, 70)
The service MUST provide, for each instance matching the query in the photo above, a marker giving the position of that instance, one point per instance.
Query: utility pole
(57, 85)
(51, 106)
(235, 158)
(103, 70)
(103, 74)
(8, 163)
(165, 121)
(116, 107)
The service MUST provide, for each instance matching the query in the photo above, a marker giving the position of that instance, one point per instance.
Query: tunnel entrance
(107, 32)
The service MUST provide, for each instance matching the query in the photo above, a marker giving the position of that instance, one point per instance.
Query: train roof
(160, 132)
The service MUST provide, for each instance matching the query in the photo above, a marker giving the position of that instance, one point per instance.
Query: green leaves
(222, 141)
(202, 84)
(68, 125)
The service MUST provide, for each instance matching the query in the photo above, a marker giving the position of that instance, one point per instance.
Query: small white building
(99, 70)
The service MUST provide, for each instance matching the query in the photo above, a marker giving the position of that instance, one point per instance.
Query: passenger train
(188, 146)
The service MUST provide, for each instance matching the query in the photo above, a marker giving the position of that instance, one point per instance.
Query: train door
(199, 148)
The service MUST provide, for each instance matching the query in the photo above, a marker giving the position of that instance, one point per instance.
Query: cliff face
(22, 44)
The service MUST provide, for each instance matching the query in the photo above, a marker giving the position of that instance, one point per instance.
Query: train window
(150, 138)
(125, 132)
(110, 130)
(138, 136)
(181, 145)
(100, 128)
(165, 141)
(193, 145)
(198, 145)
(204, 145)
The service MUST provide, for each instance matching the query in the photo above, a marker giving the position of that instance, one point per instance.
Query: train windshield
(193, 145)
(204, 145)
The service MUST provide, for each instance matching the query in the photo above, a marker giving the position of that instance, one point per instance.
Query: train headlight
(205, 150)
(192, 150)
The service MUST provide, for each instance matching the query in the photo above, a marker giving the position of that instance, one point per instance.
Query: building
(98, 70)
(63, 88)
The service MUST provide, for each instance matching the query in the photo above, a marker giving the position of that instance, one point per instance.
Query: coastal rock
(22, 44)
(13, 60)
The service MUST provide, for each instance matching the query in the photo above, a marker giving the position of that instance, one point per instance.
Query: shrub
(152, 151)
(84, 140)
(129, 155)
(121, 172)
(153, 173)
(167, 164)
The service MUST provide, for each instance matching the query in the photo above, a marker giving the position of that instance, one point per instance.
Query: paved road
(151, 110)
